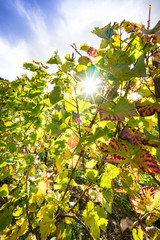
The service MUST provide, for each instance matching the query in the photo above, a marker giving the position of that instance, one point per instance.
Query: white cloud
(73, 24)
(11, 58)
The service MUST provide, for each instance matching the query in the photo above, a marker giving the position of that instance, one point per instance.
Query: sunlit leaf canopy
(67, 145)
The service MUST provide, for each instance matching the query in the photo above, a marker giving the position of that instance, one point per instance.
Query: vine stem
(80, 197)
(77, 220)
(27, 207)
(80, 155)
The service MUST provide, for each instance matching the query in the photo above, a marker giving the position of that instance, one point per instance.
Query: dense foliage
(67, 153)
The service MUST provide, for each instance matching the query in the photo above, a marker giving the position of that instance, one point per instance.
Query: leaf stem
(80, 197)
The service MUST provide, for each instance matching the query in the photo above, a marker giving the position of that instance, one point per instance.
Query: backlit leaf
(117, 112)
(92, 52)
(55, 95)
(148, 201)
(73, 141)
(106, 32)
(140, 66)
(55, 59)
(84, 47)
(4, 190)
(120, 152)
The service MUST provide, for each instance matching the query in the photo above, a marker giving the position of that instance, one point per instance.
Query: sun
(89, 86)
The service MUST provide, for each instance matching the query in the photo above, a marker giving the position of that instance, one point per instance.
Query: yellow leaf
(59, 164)
(31, 237)
(42, 187)
(67, 153)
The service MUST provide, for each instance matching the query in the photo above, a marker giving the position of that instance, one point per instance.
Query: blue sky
(34, 29)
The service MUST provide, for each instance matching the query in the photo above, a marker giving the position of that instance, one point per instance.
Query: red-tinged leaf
(145, 35)
(148, 201)
(120, 152)
(92, 52)
(145, 108)
(117, 112)
(108, 116)
(156, 57)
(127, 134)
(147, 162)
(116, 150)
(135, 138)
(76, 120)
(88, 129)
(73, 141)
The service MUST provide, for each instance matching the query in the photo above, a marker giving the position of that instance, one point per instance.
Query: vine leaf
(146, 108)
(117, 112)
(127, 134)
(135, 138)
(105, 33)
(122, 152)
(73, 141)
(148, 201)
(146, 35)
(92, 52)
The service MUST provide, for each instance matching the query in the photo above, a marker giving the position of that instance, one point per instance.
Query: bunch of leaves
(148, 202)
(49, 137)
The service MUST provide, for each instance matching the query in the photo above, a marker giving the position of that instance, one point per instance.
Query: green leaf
(91, 175)
(84, 47)
(12, 147)
(104, 43)
(47, 226)
(4, 190)
(5, 218)
(123, 109)
(106, 181)
(102, 222)
(84, 60)
(140, 66)
(55, 96)
(107, 206)
(106, 32)
(55, 59)
(110, 173)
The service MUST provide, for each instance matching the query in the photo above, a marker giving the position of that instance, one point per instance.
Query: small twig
(155, 179)
(75, 48)
(80, 197)
(77, 220)
(127, 89)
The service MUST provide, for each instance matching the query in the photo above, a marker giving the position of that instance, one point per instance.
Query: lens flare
(89, 86)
